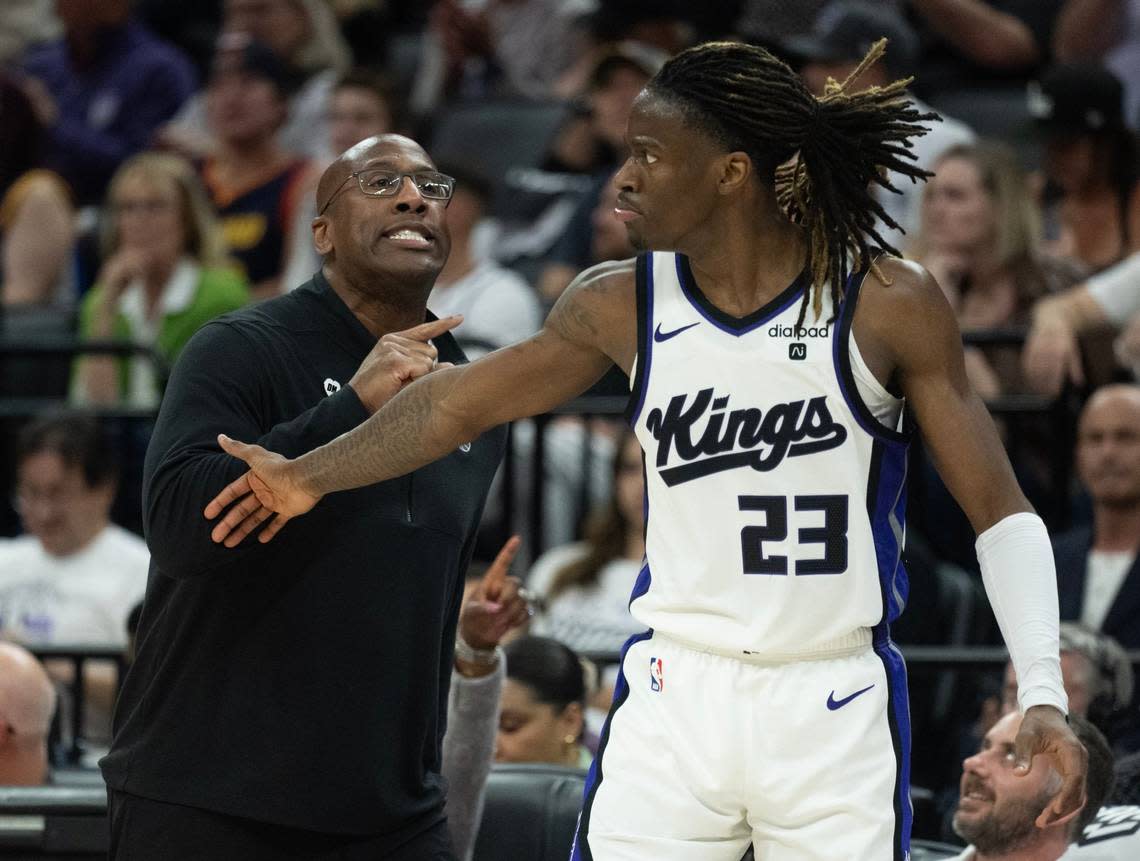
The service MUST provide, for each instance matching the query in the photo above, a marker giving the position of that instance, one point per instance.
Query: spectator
(304, 37)
(496, 606)
(583, 589)
(498, 306)
(598, 235)
(102, 91)
(1110, 299)
(27, 702)
(164, 275)
(361, 105)
(979, 238)
(36, 219)
(999, 805)
(74, 577)
(844, 31)
(541, 716)
(258, 188)
(1097, 570)
(987, 43)
(593, 141)
(1092, 160)
(496, 47)
(1098, 680)
(1106, 31)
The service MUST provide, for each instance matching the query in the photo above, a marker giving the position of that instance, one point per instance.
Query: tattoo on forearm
(392, 442)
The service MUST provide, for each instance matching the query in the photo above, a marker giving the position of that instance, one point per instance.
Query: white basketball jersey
(775, 499)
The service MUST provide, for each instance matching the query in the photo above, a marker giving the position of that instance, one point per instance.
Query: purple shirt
(109, 109)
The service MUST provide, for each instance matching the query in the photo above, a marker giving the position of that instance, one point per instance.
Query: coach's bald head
(380, 242)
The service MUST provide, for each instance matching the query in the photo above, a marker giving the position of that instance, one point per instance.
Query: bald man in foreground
(27, 702)
(288, 699)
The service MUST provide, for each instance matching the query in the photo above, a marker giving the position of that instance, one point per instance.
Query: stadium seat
(56, 822)
(531, 812)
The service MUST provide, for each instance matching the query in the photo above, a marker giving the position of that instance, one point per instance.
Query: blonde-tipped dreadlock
(821, 154)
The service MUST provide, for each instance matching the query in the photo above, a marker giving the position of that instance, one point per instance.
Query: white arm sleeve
(1117, 289)
(1021, 581)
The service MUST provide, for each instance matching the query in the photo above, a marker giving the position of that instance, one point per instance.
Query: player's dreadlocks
(821, 154)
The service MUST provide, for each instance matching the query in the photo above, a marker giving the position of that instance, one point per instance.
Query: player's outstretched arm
(912, 321)
(584, 333)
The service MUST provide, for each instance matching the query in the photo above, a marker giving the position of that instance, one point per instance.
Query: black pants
(146, 830)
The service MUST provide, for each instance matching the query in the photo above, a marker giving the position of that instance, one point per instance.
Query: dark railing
(78, 655)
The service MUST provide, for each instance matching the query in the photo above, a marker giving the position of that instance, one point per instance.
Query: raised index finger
(432, 328)
(496, 575)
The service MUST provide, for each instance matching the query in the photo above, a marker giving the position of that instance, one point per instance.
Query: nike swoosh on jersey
(661, 337)
(833, 703)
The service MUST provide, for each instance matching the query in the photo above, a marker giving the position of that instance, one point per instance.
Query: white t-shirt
(1113, 836)
(1103, 576)
(1117, 289)
(591, 618)
(84, 598)
(497, 305)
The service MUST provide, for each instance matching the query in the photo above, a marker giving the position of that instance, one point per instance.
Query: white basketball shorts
(703, 754)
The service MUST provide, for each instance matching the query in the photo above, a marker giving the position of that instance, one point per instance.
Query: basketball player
(766, 703)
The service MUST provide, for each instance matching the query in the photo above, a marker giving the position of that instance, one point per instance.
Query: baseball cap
(1077, 97)
(845, 31)
(238, 52)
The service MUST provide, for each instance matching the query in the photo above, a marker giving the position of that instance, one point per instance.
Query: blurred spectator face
(630, 483)
(997, 808)
(610, 240)
(464, 211)
(957, 212)
(1108, 446)
(611, 100)
(355, 114)
(148, 217)
(532, 731)
(283, 25)
(1076, 675)
(57, 505)
(242, 108)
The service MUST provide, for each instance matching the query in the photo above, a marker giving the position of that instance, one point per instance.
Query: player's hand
(1044, 732)
(498, 605)
(270, 487)
(1051, 356)
(399, 358)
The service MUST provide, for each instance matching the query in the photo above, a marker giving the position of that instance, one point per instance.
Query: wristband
(483, 657)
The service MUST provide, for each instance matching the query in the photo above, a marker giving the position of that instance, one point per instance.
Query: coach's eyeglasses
(377, 182)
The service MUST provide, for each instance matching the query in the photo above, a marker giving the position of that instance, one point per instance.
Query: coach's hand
(1044, 732)
(270, 487)
(399, 358)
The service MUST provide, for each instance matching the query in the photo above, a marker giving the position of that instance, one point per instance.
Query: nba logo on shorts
(656, 674)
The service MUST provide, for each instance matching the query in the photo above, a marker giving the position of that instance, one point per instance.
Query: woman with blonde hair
(165, 273)
(980, 238)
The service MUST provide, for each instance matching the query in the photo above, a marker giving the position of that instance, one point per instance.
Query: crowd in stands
(158, 168)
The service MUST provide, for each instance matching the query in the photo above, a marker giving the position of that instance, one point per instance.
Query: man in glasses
(289, 698)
